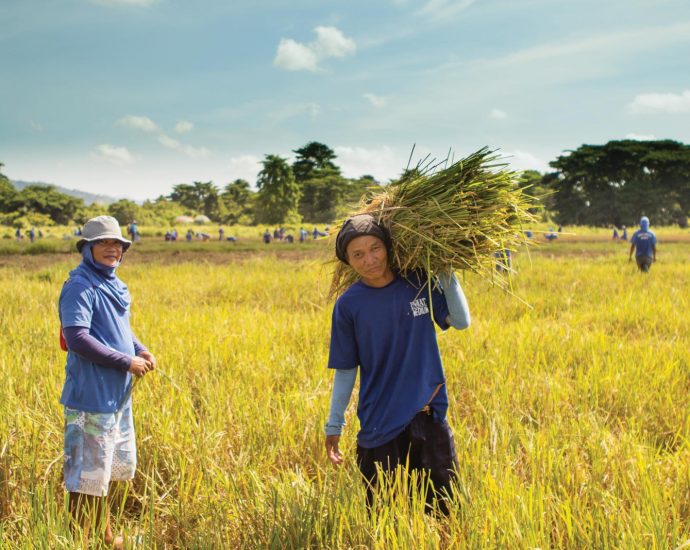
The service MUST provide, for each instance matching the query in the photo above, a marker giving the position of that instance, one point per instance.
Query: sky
(131, 97)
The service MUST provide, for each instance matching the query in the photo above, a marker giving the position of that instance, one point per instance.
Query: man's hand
(332, 450)
(140, 366)
(149, 357)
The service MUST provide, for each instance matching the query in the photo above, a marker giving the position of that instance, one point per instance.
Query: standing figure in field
(615, 233)
(643, 243)
(102, 356)
(18, 234)
(221, 234)
(189, 236)
(624, 236)
(384, 324)
(266, 236)
(504, 261)
(32, 234)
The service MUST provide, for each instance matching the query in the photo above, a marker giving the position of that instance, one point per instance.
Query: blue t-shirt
(644, 241)
(88, 386)
(388, 332)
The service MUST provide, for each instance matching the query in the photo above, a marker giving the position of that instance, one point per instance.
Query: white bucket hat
(102, 227)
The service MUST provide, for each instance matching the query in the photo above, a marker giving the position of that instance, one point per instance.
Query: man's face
(107, 252)
(369, 258)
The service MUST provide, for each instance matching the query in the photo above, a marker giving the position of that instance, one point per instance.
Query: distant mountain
(89, 198)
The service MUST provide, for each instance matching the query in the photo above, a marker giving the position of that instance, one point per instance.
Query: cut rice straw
(449, 216)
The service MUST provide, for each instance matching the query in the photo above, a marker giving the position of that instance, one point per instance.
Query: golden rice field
(571, 418)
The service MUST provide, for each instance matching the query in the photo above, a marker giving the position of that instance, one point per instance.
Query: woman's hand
(140, 366)
(149, 357)
(332, 450)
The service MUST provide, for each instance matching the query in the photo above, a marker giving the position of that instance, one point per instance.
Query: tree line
(598, 185)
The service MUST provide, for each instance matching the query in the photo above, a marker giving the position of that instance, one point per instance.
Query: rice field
(571, 417)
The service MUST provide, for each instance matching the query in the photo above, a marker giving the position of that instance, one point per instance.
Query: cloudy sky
(130, 97)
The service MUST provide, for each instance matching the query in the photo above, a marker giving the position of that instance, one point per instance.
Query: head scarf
(103, 277)
(358, 226)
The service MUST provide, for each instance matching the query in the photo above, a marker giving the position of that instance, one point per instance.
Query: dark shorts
(424, 446)
(644, 263)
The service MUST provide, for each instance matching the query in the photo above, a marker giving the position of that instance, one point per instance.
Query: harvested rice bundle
(453, 218)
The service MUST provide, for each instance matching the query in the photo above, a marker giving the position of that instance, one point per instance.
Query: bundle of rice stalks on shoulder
(457, 217)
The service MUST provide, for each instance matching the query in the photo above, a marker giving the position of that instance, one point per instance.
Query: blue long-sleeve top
(344, 379)
(82, 343)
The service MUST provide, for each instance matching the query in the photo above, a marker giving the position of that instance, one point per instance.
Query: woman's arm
(82, 343)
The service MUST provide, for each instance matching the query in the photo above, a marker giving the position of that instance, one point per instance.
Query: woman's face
(107, 252)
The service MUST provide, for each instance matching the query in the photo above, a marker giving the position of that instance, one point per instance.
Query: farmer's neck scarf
(103, 277)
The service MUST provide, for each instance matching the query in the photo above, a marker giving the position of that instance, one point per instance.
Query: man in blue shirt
(384, 325)
(643, 243)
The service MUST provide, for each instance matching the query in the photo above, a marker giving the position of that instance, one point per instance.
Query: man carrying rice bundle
(103, 354)
(384, 324)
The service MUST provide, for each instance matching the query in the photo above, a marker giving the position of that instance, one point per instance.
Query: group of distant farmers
(281, 235)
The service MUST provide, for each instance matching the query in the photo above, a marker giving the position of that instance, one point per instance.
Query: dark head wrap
(358, 226)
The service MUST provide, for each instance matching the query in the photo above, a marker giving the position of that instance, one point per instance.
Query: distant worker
(551, 236)
(40, 234)
(624, 237)
(267, 237)
(289, 238)
(504, 261)
(134, 231)
(221, 233)
(615, 235)
(32, 234)
(303, 233)
(18, 234)
(643, 243)
(189, 236)
(528, 234)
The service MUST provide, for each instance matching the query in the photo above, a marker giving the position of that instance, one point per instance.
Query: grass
(571, 418)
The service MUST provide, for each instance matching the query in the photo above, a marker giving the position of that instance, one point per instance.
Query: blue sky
(130, 97)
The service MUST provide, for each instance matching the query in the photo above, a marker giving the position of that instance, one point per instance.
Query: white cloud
(36, 126)
(184, 126)
(143, 123)
(444, 9)
(135, 3)
(522, 160)
(660, 103)
(497, 114)
(118, 156)
(175, 145)
(245, 166)
(293, 56)
(640, 137)
(330, 42)
(382, 162)
(375, 100)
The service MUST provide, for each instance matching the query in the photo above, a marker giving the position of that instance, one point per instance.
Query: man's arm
(632, 249)
(343, 384)
(458, 309)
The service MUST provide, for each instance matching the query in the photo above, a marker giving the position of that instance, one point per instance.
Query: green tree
(7, 191)
(620, 181)
(45, 199)
(199, 197)
(279, 194)
(124, 211)
(532, 182)
(239, 200)
(312, 158)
